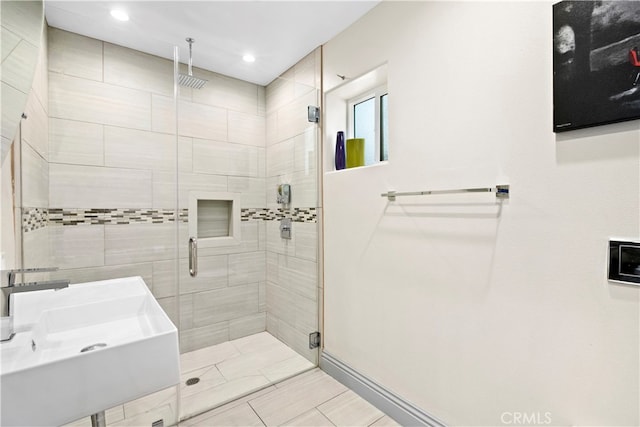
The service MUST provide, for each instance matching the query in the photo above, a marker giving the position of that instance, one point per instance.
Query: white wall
(467, 308)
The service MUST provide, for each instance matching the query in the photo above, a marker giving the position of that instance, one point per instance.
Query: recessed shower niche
(214, 219)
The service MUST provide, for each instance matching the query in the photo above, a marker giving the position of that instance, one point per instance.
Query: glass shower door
(248, 297)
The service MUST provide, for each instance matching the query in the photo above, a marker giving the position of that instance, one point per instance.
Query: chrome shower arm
(190, 41)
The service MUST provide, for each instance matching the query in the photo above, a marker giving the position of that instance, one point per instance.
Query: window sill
(347, 170)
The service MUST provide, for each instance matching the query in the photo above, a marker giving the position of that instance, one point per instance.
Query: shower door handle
(193, 256)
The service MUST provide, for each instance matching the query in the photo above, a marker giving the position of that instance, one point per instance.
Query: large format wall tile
(306, 187)
(247, 268)
(252, 191)
(74, 186)
(292, 118)
(279, 92)
(196, 338)
(163, 114)
(9, 42)
(85, 100)
(306, 237)
(139, 243)
(36, 250)
(225, 304)
(129, 68)
(77, 247)
(76, 142)
(202, 121)
(223, 158)
(247, 325)
(246, 129)
(23, 19)
(280, 302)
(10, 96)
(164, 187)
(21, 62)
(271, 128)
(262, 101)
(75, 55)
(227, 92)
(35, 179)
(305, 147)
(35, 128)
(212, 274)
(305, 71)
(136, 149)
(280, 158)
(92, 274)
(294, 274)
(40, 86)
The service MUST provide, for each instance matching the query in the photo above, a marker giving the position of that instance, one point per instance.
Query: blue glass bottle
(340, 154)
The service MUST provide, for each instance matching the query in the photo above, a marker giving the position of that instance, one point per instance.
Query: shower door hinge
(314, 340)
(313, 114)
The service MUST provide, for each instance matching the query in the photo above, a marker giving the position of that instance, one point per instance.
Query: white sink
(131, 350)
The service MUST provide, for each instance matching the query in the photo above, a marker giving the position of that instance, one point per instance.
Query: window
(384, 128)
(368, 119)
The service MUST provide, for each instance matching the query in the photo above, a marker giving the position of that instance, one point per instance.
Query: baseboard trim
(388, 402)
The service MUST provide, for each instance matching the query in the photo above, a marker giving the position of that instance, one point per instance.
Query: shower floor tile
(225, 372)
(235, 368)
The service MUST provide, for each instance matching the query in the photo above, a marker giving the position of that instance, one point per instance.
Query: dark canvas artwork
(596, 63)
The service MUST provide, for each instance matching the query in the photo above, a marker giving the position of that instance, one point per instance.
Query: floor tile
(385, 421)
(313, 418)
(296, 398)
(221, 394)
(254, 343)
(144, 404)
(286, 368)
(349, 409)
(251, 363)
(241, 415)
(207, 356)
(209, 377)
(200, 420)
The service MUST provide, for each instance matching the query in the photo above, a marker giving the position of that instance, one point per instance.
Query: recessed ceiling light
(120, 15)
(249, 58)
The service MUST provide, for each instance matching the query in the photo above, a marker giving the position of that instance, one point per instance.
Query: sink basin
(84, 349)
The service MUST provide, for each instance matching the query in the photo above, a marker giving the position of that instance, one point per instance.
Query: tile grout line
(378, 419)
(255, 412)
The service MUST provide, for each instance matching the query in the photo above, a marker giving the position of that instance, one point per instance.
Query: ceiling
(277, 33)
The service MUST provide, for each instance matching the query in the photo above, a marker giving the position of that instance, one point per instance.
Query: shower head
(189, 80)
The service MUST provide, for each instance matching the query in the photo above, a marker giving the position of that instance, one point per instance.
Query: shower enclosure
(134, 166)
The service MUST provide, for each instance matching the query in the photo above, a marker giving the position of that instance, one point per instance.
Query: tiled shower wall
(111, 187)
(292, 146)
(33, 199)
(112, 181)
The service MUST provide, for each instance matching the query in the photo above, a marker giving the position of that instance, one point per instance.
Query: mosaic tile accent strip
(34, 219)
(117, 216)
(265, 214)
